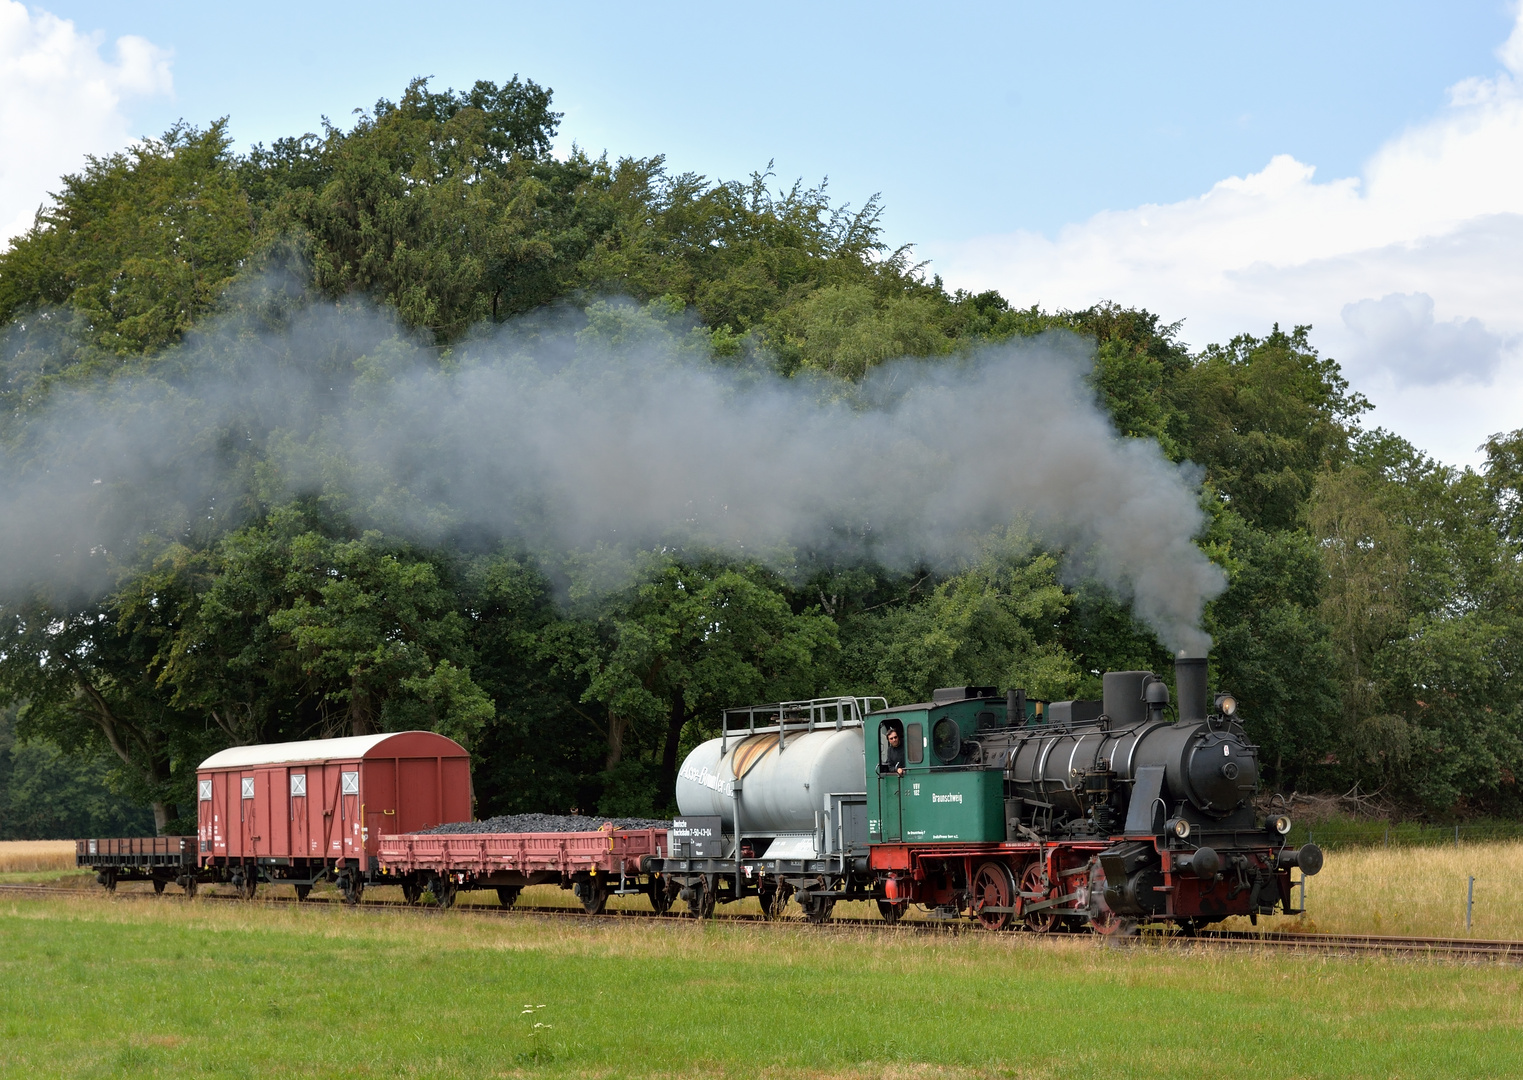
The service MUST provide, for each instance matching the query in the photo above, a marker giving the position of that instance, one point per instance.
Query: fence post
(1469, 902)
(1388, 836)
(1456, 836)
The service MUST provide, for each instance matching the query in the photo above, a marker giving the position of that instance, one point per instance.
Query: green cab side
(945, 795)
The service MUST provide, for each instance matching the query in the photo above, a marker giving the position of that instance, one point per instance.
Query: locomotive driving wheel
(993, 888)
(1034, 881)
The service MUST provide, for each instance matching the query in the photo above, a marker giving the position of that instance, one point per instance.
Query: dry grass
(1414, 890)
(1398, 890)
(31, 856)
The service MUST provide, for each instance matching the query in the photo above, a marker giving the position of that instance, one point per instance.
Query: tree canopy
(1370, 624)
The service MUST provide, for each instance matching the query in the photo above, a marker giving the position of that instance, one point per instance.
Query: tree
(994, 624)
(46, 794)
(137, 247)
(84, 683)
(692, 637)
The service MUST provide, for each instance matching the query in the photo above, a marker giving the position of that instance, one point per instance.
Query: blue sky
(1350, 166)
(969, 118)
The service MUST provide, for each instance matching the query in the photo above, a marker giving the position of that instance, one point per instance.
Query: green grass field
(92, 987)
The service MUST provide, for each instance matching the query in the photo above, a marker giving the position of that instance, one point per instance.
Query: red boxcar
(304, 811)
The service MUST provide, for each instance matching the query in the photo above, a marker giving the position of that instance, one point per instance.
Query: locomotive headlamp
(1179, 827)
(1226, 704)
(1280, 824)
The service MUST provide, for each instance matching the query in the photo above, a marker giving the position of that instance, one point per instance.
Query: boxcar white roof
(354, 746)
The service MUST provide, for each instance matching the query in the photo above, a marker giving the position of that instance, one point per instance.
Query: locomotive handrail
(807, 715)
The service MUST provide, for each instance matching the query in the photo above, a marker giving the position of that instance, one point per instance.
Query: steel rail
(1438, 947)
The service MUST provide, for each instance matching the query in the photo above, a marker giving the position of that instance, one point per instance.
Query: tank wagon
(1014, 812)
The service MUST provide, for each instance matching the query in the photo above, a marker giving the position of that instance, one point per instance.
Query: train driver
(892, 761)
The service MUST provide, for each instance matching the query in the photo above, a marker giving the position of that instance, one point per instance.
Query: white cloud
(1434, 227)
(60, 99)
(1399, 332)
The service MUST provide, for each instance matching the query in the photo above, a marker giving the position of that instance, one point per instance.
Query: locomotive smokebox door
(696, 838)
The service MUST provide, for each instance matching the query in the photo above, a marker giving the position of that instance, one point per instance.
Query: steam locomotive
(1097, 815)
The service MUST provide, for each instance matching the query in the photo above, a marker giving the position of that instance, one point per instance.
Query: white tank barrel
(780, 790)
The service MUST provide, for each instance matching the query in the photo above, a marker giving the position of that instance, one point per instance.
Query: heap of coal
(527, 823)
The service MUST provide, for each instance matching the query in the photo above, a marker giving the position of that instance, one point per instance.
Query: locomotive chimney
(1190, 688)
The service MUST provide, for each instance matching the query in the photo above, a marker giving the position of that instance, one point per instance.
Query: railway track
(1436, 947)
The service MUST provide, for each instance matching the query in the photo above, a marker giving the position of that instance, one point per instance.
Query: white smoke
(557, 435)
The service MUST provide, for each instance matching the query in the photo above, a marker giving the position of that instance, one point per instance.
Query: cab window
(915, 744)
(890, 757)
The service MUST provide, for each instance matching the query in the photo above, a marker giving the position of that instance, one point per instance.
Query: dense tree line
(1371, 625)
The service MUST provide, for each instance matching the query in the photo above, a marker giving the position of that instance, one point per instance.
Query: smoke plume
(565, 431)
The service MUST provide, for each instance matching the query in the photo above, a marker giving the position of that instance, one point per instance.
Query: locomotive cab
(946, 792)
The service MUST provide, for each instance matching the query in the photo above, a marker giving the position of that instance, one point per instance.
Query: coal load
(546, 823)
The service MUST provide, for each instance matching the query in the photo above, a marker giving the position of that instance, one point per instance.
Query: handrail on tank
(836, 712)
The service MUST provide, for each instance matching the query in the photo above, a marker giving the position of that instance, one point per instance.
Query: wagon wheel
(819, 908)
(302, 892)
(892, 910)
(158, 886)
(701, 906)
(412, 889)
(246, 884)
(992, 888)
(443, 888)
(593, 894)
(1034, 880)
(107, 880)
(772, 897)
(507, 895)
(780, 897)
(352, 887)
(655, 889)
(188, 883)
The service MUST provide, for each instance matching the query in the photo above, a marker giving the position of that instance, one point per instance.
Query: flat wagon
(159, 859)
(595, 865)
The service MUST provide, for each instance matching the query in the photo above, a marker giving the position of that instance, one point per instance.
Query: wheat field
(34, 856)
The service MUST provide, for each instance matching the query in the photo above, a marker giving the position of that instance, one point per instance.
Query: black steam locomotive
(1090, 814)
